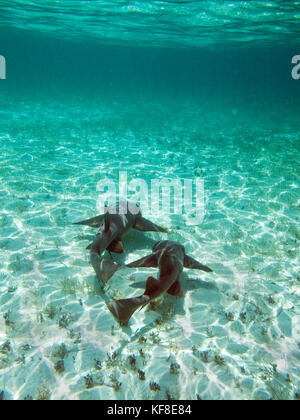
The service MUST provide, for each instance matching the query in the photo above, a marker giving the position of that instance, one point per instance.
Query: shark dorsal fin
(176, 289)
(116, 247)
(151, 286)
(106, 222)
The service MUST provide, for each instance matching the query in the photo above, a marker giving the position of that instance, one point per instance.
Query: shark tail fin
(95, 222)
(123, 309)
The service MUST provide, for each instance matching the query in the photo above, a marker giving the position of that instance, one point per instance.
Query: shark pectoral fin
(104, 269)
(149, 261)
(95, 222)
(189, 262)
(116, 247)
(89, 246)
(124, 309)
(176, 289)
(145, 225)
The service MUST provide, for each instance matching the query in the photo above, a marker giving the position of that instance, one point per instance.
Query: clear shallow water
(230, 118)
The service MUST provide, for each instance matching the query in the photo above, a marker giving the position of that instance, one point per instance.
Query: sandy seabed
(236, 333)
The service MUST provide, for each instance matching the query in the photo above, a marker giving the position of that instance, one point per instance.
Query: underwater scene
(189, 109)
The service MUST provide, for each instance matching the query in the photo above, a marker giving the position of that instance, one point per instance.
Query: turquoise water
(179, 89)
